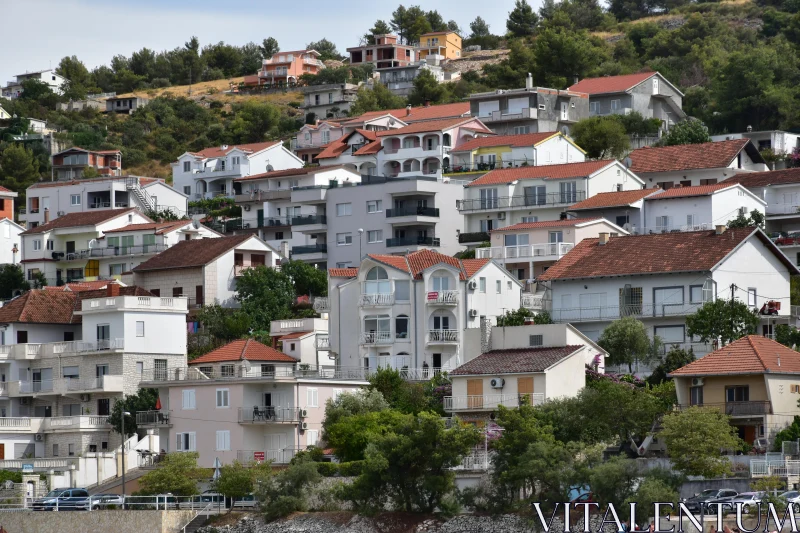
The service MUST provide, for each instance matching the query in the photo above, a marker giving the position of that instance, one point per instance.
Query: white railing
(281, 456)
(534, 302)
(292, 324)
(322, 305)
(443, 298)
(585, 314)
(442, 335)
(528, 252)
(376, 299)
(765, 468)
(32, 387)
(795, 310)
(422, 374)
(254, 372)
(15, 422)
(783, 209)
(323, 342)
(474, 461)
(376, 337)
(40, 464)
(490, 401)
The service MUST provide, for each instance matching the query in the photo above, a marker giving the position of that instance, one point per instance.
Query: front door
(437, 361)
(103, 407)
(474, 393)
(70, 247)
(525, 390)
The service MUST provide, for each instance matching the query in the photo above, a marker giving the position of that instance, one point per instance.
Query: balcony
(323, 342)
(310, 249)
(602, 314)
(111, 251)
(322, 304)
(754, 408)
(490, 402)
(152, 419)
(269, 414)
(533, 302)
(442, 336)
(552, 251)
(73, 423)
(57, 349)
(782, 210)
(475, 237)
(526, 113)
(310, 220)
(412, 241)
(522, 202)
(258, 195)
(282, 456)
(375, 338)
(240, 373)
(107, 383)
(442, 298)
(282, 327)
(413, 212)
(376, 300)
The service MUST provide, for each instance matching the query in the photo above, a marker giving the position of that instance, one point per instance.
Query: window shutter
(220, 440)
(227, 440)
(180, 442)
(316, 398)
(192, 439)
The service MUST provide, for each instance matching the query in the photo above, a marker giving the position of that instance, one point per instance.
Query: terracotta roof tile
(693, 251)
(547, 224)
(217, 151)
(610, 84)
(143, 181)
(415, 262)
(343, 272)
(192, 254)
(39, 307)
(434, 112)
(765, 179)
(434, 125)
(515, 361)
(368, 149)
(567, 170)
(80, 286)
(698, 190)
(613, 199)
(753, 354)
(337, 147)
(472, 266)
(3, 189)
(243, 349)
(302, 171)
(157, 227)
(526, 139)
(686, 156)
(74, 220)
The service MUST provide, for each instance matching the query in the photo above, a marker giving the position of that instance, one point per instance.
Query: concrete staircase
(196, 523)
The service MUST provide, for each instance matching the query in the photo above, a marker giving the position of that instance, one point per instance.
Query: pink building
(384, 53)
(287, 67)
(244, 401)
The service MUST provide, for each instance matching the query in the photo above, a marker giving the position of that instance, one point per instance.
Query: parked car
(747, 499)
(790, 496)
(63, 500)
(104, 501)
(706, 497)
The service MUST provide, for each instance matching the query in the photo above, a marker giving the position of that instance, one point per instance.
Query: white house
(412, 311)
(502, 151)
(4, 115)
(662, 277)
(211, 171)
(780, 142)
(624, 208)
(55, 82)
(10, 240)
(305, 339)
(688, 165)
(536, 193)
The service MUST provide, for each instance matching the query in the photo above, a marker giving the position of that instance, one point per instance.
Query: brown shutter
(525, 390)
(475, 393)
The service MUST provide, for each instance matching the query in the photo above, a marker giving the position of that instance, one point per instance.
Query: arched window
(377, 281)
(407, 166)
(446, 139)
(401, 323)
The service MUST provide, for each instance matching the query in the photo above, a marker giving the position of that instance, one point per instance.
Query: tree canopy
(723, 320)
(694, 438)
(626, 342)
(177, 473)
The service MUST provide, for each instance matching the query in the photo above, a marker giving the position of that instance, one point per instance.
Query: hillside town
(381, 282)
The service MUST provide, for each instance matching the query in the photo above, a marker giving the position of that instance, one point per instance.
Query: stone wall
(116, 521)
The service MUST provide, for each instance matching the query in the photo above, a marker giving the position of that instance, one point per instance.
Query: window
(536, 340)
(696, 396)
(662, 223)
(140, 367)
(402, 291)
(186, 442)
(374, 206)
(616, 105)
(696, 294)
(401, 327)
(499, 286)
(535, 195)
(177, 292)
(187, 166)
(482, 284)
(37, 245)
(75, 199)
(751, 297)
(227, 371)
(223, 398)
(441, 283)
(312, 397)
(70, 372)
(116, 269)
(326, 136)
(344, 239)
(71, 449)
(667, 300)
(375, 235)
(55, 450)
(530, 219)
(569, 192)
(489, 199)
(312, 435)
(103, 332)
(223, 441)
(344, 210)
(71, 409)
(670, 334)
(188, 402)
(594, 108)
(738, 393)
(103, 407)
(521, 130)
(50, 244)
(140, 328)
(160, 369)
(630, 301)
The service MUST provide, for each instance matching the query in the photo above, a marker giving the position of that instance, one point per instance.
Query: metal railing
(477, 236)
(783, 209)
(110, 251)
(583, 314)
(309, 249)
(442, 298)
(152, 418)
(766, 468)
(322, 304)
(413, 241)
(525, 251)
(442, 335)
(279, 456)
(376, 337)
(532, 200)
(737, 408)
(534, 302)
(323, 342)
(424, 373)
(308, 220)
(269, 414)
(491, 401)
(413, 211)
(376, 300)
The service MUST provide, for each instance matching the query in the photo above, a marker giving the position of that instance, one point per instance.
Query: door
(525, 390)
(488, 198)
(198, 294)
(437, 361)
(99, 372)
(474, 393)
(2, 451)
(564, 110)
(22, 337)
(260, 218)
(103, 407)
(568, 192)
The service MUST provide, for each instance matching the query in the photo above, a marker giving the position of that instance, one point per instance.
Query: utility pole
(733, 296)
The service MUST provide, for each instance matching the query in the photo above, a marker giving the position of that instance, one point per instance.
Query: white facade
(780, 142)
(49, 77)
(552, 151)
(701, 176)
(205, 176)
(305, 339)
(10, 239)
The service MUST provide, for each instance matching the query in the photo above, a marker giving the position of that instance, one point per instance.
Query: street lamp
(124, 414)
(360, 234)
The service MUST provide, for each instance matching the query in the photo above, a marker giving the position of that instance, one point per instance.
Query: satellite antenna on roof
(628, 162)
(195, 224)
(246, 365)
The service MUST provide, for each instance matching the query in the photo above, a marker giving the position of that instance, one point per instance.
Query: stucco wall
(117, 521)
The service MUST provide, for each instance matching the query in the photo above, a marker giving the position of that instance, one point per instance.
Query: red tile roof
(337, 147)
(434, 112)
(343, 272)
(515, 361)
(39, 307)
(192, 254)
(686, 156)
(564, 171)
(143, 181)
(526, 139)
(218, 151)
(243, 349)
(698, 190)
(74, 220)
(610, 84)
(694, 251)
(765, 179)
(80, 286)
(302, 171)
(613, 199)
(547, 224)
(753, 354)
(157, 227)
(472, 266)
(415, 262)
(3, 189)
(435, 125)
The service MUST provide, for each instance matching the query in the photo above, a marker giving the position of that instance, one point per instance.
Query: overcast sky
(38, 33)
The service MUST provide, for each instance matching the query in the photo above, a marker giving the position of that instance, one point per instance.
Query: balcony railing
(413, 211)
(268, 414)
(240, 372)
(587, 314)
(552, 250)
(309, 220)
(282, 456)
(111, 251)
(322, 304)
(107, 383)
(413, 241)
(422, 374)
(754, 408)
(478, 236)
(534, 302)
(152, 418)
(475, 461)
(323, 342)
(491, 401)
(310, 249)
(442, 298)
(532, 200)
(436, 336)
(783, 209)
(376, 337)
(376, 300)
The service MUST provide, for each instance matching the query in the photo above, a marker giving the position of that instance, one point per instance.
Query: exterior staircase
(196, 523)
(145, 201)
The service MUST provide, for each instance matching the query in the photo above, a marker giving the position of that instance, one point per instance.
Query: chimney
(408, 109)
(720, 229)
(285, 249)
(604, 236)
(529, 81)
(575, 80)
(112, 289)
(46, 216)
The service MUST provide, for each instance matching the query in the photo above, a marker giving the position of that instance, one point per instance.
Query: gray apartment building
(529, 110)
(332, 100)
(393, 216)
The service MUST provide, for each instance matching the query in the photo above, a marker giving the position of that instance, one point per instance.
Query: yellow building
(444, 43)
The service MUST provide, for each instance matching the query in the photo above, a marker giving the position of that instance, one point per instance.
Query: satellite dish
(246, 365)
(195, 224)
(270, 168)
(628, 162)
(92, 243)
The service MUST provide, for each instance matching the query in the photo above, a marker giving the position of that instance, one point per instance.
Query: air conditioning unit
(62, 213)
(246, 225)
(39, 437)
(303, 426)
(501, 216)
(473, 313)
(497, 383)
(303, 413)
(24, 401)
(247, 208)
(697, 382)
(472, 284)
(85, 397)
